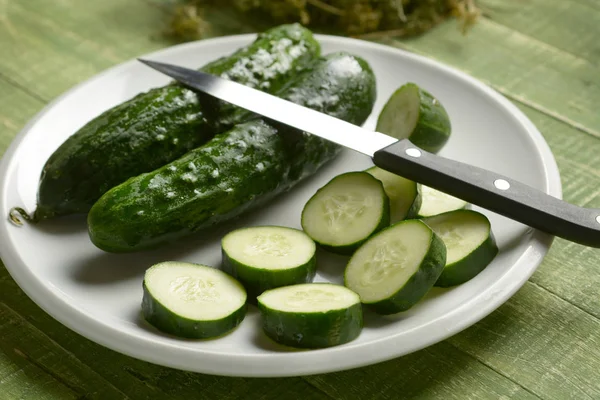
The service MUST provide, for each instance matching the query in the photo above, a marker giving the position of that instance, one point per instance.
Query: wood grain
(543, 343)
(540, 341)
(438, 372)
(524, 69)
(17, 107)
(49, 46)
(567, 25)
(37, 349)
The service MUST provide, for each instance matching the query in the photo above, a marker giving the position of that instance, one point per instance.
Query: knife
(478, 186)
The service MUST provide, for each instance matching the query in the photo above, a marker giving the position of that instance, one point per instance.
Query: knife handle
(493, 191)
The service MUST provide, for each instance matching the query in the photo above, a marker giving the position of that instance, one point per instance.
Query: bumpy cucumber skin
(420, 283)
(164, 320)
(257, 280)
(467, 268)
(430, 133)
(351, 248)
(156, 127)
(312, 330)
(238, 170)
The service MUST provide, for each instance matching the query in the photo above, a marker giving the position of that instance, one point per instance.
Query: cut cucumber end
(413, 113)
(192, 300)
(267, 257)
(470, 244)
(434, 202)
(395, 268)
(346, 211)
(313, 315)
(404, 196)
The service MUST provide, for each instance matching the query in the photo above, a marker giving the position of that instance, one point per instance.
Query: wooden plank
(19, 378)
(16, 108)
(438, 372)
(571, 26)
(68, 41)
(144, 381)
(571, 270)
(540, 341)
(35, 348)
(544, 77)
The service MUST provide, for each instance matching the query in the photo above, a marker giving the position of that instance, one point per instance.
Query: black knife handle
(493, 191)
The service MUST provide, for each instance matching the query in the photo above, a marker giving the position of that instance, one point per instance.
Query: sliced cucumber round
(413, 113)
(469, 241)
(394, 269)
(434, 202)
(266, 257)
(405, 199)
(192, 300)
(311, 315)
(346, 212)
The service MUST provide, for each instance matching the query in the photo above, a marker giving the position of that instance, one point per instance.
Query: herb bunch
(359, 18)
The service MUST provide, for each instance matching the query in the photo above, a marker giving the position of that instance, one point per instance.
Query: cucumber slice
(311, 315)
(413, 113)
(266, 257)
(192, 300)
(434, 202)
(346, 212)
(469, 241)
(394, 269)
(405, 199)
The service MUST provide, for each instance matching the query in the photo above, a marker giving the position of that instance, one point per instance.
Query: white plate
(98, 295)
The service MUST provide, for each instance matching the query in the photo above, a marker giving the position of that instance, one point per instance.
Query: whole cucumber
(160, 125)
(238, 170)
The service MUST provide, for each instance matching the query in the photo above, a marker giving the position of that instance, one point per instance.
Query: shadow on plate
(374, 320)
(331, 266)
(105, 268)
(63, 225)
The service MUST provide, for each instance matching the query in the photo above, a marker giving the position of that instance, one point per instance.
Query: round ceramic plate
(98, 295)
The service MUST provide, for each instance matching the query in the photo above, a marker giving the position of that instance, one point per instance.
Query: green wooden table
(544, 55)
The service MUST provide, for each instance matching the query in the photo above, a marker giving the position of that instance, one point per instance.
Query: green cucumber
(192, 300)
(394, 269)
(345, 212)
(434, 202)
(413, 113)
(311, 315)
(469, 241)
(405, 198)
(238, 170)
(162, 124)
(267, 257)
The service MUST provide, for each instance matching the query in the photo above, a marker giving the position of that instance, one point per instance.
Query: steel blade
(275, 108)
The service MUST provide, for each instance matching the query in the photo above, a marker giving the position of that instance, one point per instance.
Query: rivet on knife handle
(494, 192)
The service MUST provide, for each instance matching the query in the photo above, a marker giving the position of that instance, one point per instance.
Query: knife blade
(481, 187)
(283, 111)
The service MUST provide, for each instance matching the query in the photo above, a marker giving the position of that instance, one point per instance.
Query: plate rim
(383, 349)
